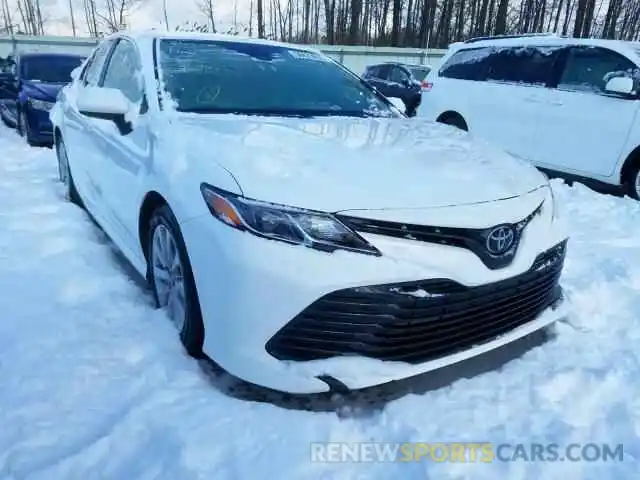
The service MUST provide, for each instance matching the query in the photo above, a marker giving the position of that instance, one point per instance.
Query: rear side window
(380, 71)
(373, 71)
(527, 65)
(467, 64)
(398, 75)
(589, 68)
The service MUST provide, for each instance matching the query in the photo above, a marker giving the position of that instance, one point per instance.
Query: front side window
(49, 69)
(124, 71)
(527, 65)
(467, 64)
(208, 76)
(91, 75)
(589, 68)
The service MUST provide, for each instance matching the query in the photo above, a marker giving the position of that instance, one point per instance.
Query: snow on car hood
(44, 91)
(336, 163)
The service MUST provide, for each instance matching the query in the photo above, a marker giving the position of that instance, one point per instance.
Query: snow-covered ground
(94, 383)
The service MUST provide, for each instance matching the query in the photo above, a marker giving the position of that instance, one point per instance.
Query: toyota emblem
(500, 240)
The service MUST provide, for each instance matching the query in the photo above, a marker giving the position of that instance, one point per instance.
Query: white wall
(353, 57)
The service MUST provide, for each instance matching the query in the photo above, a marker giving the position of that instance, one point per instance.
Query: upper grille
(474, 239)
(394, 322)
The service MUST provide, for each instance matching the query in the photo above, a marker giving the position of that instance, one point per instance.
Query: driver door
(124, 159)
(78, 131)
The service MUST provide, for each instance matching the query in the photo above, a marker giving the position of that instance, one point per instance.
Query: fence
(353, 57)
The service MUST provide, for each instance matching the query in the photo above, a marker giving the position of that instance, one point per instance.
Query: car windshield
(208, 76)
(49, 69)
(420, 73)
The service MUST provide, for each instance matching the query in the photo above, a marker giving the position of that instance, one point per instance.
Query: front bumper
(418, 322)
(40, 126)
(264, 305)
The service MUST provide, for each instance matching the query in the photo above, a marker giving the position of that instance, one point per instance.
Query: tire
(454, 121)
(187, 318)
(25, 130)
(412, 107)
(64, 174)
(633, 182)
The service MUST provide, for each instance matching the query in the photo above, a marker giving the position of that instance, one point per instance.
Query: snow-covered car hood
(41, 90)
(334, 164)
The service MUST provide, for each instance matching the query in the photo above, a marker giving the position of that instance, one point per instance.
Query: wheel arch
(452, 115)
(632, 160)
(57, 134)
(152, 201)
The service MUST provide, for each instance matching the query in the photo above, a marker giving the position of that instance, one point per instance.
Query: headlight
(41, 104)
(298, 226)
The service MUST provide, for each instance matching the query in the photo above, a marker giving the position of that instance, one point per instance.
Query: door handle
(557, 103)
(532, 99)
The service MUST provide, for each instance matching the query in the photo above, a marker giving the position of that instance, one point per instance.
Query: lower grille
(419, 321)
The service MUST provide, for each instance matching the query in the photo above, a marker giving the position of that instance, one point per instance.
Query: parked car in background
(570, 106)
(399, 80)
(30, 91)
(292, 223)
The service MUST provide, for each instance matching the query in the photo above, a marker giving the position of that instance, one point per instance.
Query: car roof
(410, 65)
(541, 40)
(49, 55)
(143, 35)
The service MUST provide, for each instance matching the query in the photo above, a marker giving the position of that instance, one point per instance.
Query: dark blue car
(29, 92)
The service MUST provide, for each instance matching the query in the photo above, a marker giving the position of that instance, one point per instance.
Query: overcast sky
(146, 14)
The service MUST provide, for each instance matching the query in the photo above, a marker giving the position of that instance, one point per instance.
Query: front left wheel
(64, 174)
(25, 130)
(633, 182)
(171, 279)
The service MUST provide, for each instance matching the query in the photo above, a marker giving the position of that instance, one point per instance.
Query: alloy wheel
(63, 164)
(168, 276)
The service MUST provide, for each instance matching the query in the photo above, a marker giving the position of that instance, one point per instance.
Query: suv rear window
(420, 73)
(467, 64)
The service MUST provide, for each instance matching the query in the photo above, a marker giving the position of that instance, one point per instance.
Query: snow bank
(94, 383)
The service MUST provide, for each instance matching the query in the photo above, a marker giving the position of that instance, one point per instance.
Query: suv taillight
(427, 85)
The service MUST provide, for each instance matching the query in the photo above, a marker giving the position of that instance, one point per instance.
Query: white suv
(567, 105)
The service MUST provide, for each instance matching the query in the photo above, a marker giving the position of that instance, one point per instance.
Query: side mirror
(106, 104)
(620, 86)
(75, 73)
(398, 103)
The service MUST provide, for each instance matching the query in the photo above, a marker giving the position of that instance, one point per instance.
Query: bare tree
(206, 7)
(91, 16)
(8, 26)
(72, 18)
(114, 17)
(260, 13)
(31, 16)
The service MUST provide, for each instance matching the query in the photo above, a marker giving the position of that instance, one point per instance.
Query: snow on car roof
(624, 47)
(144, 35)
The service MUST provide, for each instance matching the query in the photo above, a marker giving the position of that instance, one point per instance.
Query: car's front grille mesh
(418, 321)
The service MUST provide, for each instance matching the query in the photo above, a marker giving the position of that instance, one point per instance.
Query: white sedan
(296, 227)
